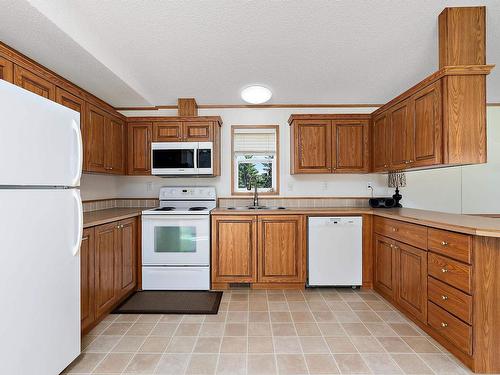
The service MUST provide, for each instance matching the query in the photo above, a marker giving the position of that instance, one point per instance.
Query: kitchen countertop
(470, 224)
(109, 215)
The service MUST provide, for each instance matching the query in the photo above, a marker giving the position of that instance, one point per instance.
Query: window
(255, 159)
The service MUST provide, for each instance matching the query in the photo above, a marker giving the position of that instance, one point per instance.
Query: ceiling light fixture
(256, 94)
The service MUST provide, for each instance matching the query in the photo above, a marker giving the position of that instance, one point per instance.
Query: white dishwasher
(334, 256)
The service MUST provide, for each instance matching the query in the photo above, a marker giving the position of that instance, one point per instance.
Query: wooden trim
(254, 106)
(277, 163)
(217, 119)
(460, 70)
(25, 62)
(187, 107)
(330, 116)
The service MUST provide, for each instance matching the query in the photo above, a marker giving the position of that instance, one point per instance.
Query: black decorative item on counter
(382, 202)
(396, 179)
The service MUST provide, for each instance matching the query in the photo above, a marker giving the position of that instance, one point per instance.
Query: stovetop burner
(165, 209)
(197, 208)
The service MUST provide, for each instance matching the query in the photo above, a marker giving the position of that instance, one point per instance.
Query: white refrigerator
(41, 223)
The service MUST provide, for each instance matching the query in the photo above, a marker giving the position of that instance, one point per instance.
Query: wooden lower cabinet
(281, 249)
(87, 301)
(385, 266)
(262, 250)
(108, 268)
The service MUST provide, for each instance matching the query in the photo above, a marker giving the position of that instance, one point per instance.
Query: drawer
(450, 271)
(452, 300)
(412, 234)
(451, 328)
(454, 245)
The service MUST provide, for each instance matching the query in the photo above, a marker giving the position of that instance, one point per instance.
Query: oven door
(205, 158)
(181, 240)
(174, 158)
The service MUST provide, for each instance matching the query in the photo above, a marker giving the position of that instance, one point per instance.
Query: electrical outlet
(149, 186)
(369, 185)
(324, 185)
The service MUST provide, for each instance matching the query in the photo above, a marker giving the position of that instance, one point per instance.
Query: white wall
(468, 189)
(303, 185)
(94, 186)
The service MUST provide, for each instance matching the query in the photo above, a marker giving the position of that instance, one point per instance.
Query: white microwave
(182, 158)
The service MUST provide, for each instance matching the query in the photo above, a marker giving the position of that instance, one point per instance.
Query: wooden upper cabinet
(87, 301)
(167, 131)
(31, 82)
(427, 127)
(385, 277)
(127, 256)
(95, 133)
(6, 70)
(401, 135)
(115, 146)
(106, 267)
(71, 101)
(381, 143)
(311, 142)
(412, 280)
(198, 131)
(234, 253)
(139, 148)
(350, 147)
(281, 249)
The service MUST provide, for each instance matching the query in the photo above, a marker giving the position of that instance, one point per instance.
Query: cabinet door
(167, 131)
(31, 82)
(381, 143)
(87, 254)
(350, 149)
(401, 135)
(127, 257)
(281, 249)
(412, 280)
(106, 265)
(115, 146)
(312, 146)
(385, 266)
(139, 148)
(93, 140)
(71, 101)
(6, 70)
(427, 148)
(197, 131)
(234, 251)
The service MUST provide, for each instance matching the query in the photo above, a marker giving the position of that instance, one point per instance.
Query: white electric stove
(176, 240)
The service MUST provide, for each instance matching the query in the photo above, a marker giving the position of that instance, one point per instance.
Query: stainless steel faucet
(255, 192)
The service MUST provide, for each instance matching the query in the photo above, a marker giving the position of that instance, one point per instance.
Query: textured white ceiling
(151, 52)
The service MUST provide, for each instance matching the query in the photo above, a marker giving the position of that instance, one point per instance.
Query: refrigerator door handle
(79, 231)
(79, 153)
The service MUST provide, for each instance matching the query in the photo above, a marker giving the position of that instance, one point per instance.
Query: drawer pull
(444, 270)
(394, 229)
(444, 243)
(444, 325)
(444, 298)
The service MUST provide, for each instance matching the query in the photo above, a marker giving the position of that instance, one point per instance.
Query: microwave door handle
(196, 158)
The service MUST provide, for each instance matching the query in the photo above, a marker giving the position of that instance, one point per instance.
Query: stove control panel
(187, 193)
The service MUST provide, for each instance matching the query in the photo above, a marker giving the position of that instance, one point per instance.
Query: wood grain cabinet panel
(139, 148)
(412, 280)
(115, 150)
(456, 274)
(401, 135)
(426, 148)
(198, 131)
(106, 267)
(350, 144)
(31, 82)
(6, 70)
(127, 256)
(71, 101)
(167, 131)
(311, 140)
(381, 143)
(385, 277)
(454, 245)
(452, 300)
(87, 301)
(93, 139)
(234, 249)
(281, 248)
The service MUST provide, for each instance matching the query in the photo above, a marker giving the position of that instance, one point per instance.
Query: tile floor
(317, 331)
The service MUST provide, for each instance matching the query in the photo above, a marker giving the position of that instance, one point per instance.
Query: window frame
(276, 160)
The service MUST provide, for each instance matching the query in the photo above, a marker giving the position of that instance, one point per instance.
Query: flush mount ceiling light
(256, 94)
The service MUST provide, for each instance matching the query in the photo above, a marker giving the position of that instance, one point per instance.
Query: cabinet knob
(444, 325)
(444, 270)
(394, 229)
(444, 243)
(117, 227)
(444, 298)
